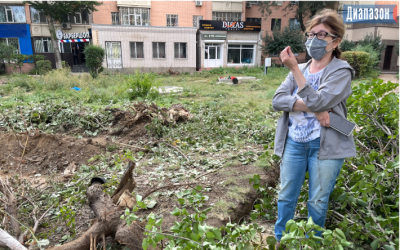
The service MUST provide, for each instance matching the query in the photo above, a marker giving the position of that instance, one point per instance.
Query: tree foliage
(303, 10)
(280, 39)
(6, 53)
(94, 56)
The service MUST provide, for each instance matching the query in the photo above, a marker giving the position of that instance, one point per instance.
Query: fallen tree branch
(6, 240)
(177, 149)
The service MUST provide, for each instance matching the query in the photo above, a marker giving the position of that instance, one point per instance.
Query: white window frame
(240, 53)
(136, 53)
(132, 12)
(39, 12)
(179, 51)
(19, 46)
(10, 9)
(115, 15)
(48, 39)
(170, 17)
(197, 18)
(158, 50)
(216, 15)
(80, 14)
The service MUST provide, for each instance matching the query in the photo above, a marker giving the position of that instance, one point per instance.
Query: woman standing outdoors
(303, 138)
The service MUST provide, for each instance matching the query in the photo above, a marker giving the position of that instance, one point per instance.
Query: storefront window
(227, 16)
(37, 16)
(240, 54)
(13, 42)
(135, 16)
(180, 50)
(65, 48)
(158, 50)
(43, 45)
(12, 14)
(212, 51)
(137, 50)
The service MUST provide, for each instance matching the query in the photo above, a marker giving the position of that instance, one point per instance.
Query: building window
(294, 23)
(240, 54)
(276, 24)
(227, 16)
(79, 18)
(135, 16)
(158, 50)
(13, 42)
(43, 45)
(137, 50)
(196, 20)
(65, 47)
(172, 20)
(254, 19)
(12, 14)
(277, 2)
(180, 50)
(37, 16)
(115, 18)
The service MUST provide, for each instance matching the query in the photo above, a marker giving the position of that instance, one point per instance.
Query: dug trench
(50, 155)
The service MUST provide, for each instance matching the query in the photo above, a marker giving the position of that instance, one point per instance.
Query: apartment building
(183, 35)
(14, 28)
(389, 33)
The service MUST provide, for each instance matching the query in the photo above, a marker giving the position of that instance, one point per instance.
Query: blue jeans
(298, 158)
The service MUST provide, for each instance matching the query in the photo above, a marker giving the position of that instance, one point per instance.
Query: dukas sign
(229, 25)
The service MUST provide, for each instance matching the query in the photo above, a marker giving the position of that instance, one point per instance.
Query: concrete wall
(147, 35)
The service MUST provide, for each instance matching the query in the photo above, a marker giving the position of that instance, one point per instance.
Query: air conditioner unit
(248, 4)
(66, 26)
(199, 3)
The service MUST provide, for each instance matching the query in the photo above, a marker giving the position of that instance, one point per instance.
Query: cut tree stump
(108, 221)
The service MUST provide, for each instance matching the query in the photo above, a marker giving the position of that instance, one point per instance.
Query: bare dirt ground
(48, 155)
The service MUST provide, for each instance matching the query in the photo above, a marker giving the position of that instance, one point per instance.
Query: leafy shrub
(33, 59)
(6, 53)
(347, 45)
(375, 42)
(374, 56)
(358, 60)
(280, 39)
(141, 85)
(18, 60)
(94, 56)
(43, 66)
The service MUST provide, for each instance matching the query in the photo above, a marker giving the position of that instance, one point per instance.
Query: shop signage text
(213, 36)
(370, 13)
(60, 35)
(229, 25)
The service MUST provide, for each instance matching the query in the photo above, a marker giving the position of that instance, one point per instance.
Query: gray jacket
(334, 89)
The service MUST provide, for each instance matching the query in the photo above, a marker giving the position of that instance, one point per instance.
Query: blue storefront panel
(20, 31)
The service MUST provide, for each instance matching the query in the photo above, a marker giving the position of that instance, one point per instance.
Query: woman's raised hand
(288, 58)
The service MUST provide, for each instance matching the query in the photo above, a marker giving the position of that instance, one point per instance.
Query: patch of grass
(229, 181)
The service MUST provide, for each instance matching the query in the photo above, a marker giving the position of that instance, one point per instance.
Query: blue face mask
(316, 47)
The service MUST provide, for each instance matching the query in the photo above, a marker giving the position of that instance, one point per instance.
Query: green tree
(303, 10)
(280, 39)
(58, 11)
(6, 53)
(94, 59)
(374, 41)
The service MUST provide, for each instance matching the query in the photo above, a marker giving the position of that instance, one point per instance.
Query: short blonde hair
(331, 19)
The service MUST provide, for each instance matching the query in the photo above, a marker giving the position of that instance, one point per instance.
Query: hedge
(358, 60)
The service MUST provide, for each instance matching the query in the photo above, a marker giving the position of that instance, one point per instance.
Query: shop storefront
(228, 44)
(156, 49)
(75, 37)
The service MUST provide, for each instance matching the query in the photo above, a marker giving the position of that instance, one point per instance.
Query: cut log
(127, 183)
(7, 240)
(108, 222)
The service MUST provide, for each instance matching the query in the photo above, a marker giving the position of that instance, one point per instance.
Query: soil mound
(44, 153)
(131, 125)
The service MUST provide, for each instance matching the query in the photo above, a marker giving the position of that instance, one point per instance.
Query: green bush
(43, 66)
(374, 56)
(18, 60)
(94, 56)
(375, 42)
(141, 85)
(33, 59)
(347, 45)
(358, 60)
